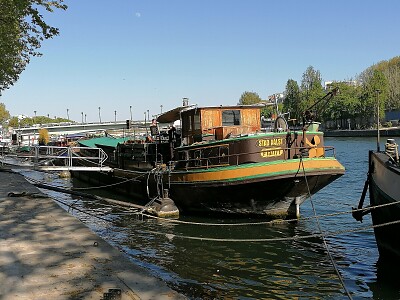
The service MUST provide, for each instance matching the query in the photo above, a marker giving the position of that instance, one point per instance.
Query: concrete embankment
(45, 253)
(385, 132)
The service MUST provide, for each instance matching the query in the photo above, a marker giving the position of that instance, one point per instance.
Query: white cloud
(138, 14)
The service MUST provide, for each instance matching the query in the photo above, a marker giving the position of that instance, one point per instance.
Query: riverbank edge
(46, 253)
(386, 132)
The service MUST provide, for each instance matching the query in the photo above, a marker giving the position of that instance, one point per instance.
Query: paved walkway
(45, 253)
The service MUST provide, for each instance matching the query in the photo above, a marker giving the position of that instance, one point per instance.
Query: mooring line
(302, 237)
(271, 222)
(323, 238)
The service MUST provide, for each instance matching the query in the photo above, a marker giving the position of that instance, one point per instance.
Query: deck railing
(226, 159)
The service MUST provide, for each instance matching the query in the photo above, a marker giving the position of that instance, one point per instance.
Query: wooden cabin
(218, 123)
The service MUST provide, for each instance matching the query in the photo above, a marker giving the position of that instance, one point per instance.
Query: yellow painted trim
(259, 170)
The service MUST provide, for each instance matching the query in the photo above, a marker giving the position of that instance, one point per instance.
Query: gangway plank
(64, 168)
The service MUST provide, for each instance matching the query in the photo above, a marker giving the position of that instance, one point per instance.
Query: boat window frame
(231, 117)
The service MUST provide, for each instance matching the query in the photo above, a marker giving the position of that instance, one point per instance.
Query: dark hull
(263, 174)
(384, 189)
(278, 197)
(273, 198)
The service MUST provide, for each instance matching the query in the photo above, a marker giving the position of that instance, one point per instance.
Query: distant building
(328, 85)
(276, 98)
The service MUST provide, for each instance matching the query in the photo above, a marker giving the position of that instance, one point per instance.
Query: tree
(345, 105)
(249, 98)
(291, 102)
(374, 84)
(391, 70)
(4, 114)
(22, 29)
(43, 137)
(311, 88)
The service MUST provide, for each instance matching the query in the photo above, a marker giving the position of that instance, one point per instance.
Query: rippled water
(271, 269)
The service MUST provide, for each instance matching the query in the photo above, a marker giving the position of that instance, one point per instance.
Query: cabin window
(196, 121)
(230, 117)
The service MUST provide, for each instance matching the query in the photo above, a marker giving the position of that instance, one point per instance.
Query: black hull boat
(383, 182)
(275, 198)
(384, 189)
(221, 162)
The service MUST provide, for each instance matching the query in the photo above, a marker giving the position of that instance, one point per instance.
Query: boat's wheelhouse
(221, 136)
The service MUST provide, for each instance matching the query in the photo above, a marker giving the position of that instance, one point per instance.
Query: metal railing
(62, 158)
(226, 160)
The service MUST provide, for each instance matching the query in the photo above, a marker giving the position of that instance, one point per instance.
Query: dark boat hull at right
(384, 188)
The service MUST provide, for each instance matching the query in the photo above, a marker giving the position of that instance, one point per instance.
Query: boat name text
(271, 152)
(271, 142)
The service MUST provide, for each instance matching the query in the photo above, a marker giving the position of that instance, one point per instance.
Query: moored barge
(222, 162)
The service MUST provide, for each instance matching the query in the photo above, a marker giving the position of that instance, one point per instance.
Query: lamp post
(85, 119)
(377, 120)
(130, 110)
(99, 115)
(115, 116)
(161, 106)
(34, 120)
(148, 115)
(82, 116)
(67, 114)
(145, 123)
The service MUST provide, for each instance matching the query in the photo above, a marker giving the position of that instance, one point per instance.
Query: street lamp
(130, 110)
(82, 116)
(34, 120)
(377, 120)
(145, 123)
(85, 119)
(115, 114)
(161, 107)
(67, 114)
(99, 114)
(148, 115)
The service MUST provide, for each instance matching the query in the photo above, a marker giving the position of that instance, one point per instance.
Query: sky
(136, 55)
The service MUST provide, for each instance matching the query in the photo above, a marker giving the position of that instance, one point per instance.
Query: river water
(256, 261)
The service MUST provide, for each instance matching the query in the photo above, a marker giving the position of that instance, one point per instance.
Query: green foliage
(391, 71)
(248, 98)
(34, 120)
(299, 99)
(4, 114)
(311, 88)
(43, 137)
(375, 87)
(346, 103)
(22, 29)
(292, 100)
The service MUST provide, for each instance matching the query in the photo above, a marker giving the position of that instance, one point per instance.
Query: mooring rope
(302, 237)
(86, 188)
(280, 239)
(270, 222)
(105, 186)
(323, 238)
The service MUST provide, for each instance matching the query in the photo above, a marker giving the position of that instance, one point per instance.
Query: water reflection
(386, 285)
